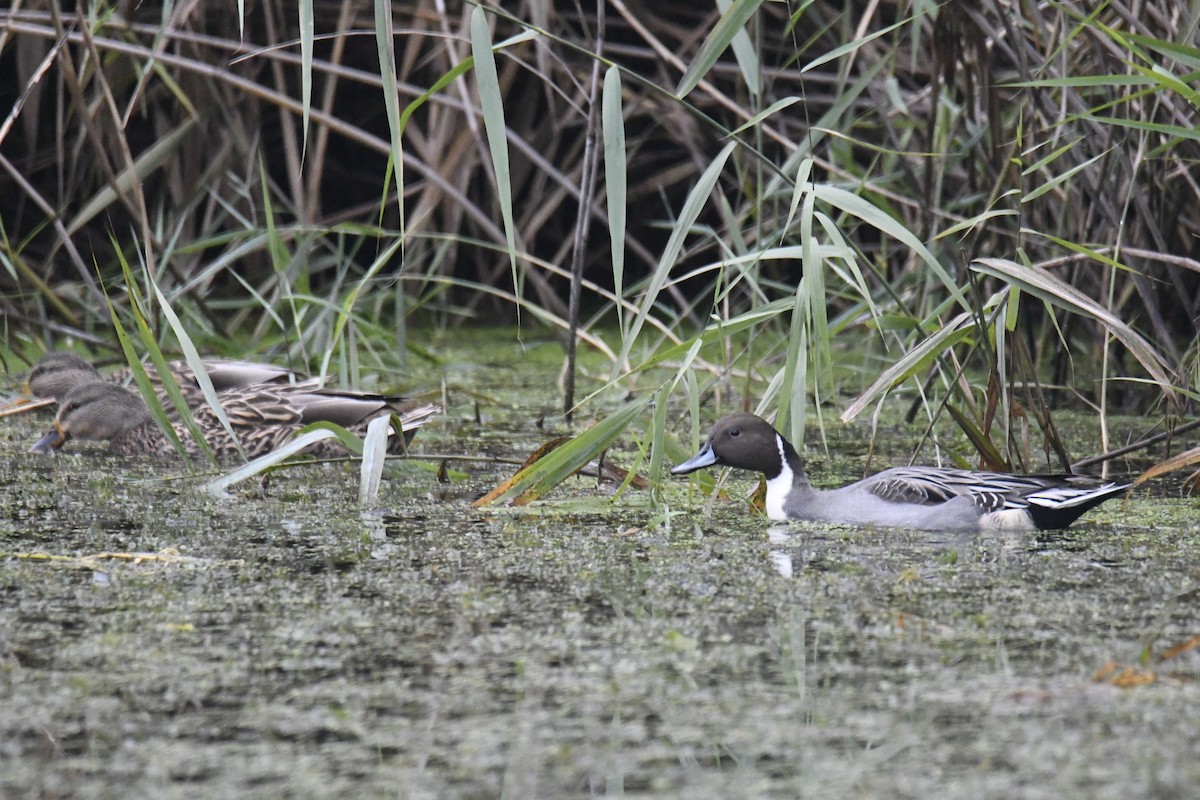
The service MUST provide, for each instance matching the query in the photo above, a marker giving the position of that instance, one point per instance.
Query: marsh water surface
(284, 641)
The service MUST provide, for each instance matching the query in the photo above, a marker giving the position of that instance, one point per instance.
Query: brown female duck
(57, 373)
(262, 416)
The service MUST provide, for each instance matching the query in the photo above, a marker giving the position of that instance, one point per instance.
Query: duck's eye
(734, 432)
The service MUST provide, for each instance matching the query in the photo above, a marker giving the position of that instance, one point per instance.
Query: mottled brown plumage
(263, 417)
(57, 373)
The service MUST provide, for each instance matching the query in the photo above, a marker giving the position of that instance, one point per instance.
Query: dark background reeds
(1058, 139)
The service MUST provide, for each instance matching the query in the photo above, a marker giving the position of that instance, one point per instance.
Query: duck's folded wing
(226, 374)
(934, 485)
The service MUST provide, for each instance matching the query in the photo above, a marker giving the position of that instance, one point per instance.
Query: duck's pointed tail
(1058, 507)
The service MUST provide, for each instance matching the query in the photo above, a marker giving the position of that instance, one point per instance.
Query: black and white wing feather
(1053, 501)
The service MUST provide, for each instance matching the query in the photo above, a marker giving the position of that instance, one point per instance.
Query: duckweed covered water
(285, 642)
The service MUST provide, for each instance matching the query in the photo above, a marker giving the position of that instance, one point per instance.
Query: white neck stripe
(780, 486)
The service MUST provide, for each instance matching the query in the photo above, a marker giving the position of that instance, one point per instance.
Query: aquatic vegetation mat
(287, 640)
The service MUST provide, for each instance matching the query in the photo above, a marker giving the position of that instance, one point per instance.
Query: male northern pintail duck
(920, 498)
(56, 373)
(263, 416)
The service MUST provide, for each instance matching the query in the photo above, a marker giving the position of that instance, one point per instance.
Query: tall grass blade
(743, 52)
(142, 381)
(683, 226)
(1052, 289)
(155, 156)
(306, 65)
(150, 346)
(615, 182)
(915, 359)
(277, 456)
(492, 105)
(719, 38)
(658, 432)
(543, 475)
(346, 309)
(1188, 458)
(809, 296)
(857, 206)
(1057, 180)
(385, 46)
(850, 47)
(195, 362)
